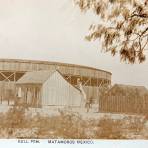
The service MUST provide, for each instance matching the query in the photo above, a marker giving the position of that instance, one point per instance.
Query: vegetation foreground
(69, 125)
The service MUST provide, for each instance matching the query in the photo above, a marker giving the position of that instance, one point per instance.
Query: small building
(47, 88)
(125, 99)
(127, 90)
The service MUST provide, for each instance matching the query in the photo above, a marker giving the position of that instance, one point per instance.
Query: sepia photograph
(74, 69)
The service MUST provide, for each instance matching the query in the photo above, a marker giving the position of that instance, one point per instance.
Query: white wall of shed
(57, 91)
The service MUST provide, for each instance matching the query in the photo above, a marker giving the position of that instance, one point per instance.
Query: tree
(123, 27)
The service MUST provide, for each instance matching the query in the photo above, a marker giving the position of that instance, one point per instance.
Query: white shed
(48, 88)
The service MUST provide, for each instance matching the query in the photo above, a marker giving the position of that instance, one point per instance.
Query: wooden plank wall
(121, 104)
(64, 68)
(7, 90)
(57, 91)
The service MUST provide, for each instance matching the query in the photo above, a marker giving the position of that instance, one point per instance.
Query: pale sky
(54, 30)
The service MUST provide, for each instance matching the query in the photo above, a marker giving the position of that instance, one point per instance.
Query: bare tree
(123, 27)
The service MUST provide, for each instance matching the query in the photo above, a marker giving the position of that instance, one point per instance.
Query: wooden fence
(122, 104)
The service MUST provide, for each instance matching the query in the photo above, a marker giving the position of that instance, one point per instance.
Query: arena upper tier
(92, 79)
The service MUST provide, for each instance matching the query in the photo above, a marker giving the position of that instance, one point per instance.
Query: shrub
(15, 117)
(109, 129)
(67, 125)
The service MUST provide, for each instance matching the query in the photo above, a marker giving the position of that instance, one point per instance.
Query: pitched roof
(128, 90)
(35, 77)
(39, 77)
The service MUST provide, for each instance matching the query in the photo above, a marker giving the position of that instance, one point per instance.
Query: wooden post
(90, 92)
(98, 103)
(8, 102)
(1, 99)
(70, 80)
(26, 94)
(40, 96)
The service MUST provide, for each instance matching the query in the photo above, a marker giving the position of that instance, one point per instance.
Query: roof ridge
(129, 85)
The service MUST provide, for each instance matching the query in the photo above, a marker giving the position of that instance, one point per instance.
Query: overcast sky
(54, 30)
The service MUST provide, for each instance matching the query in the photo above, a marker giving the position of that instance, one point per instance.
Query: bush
(67, 125)
(109, 129)
(126, 128)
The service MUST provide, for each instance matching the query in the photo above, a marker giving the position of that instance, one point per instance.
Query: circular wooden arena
(12, 70)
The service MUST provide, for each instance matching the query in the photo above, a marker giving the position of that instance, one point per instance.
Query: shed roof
(39, 77)
(128, 90)
(35, 77)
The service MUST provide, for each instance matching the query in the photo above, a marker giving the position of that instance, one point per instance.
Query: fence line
(122, 104)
